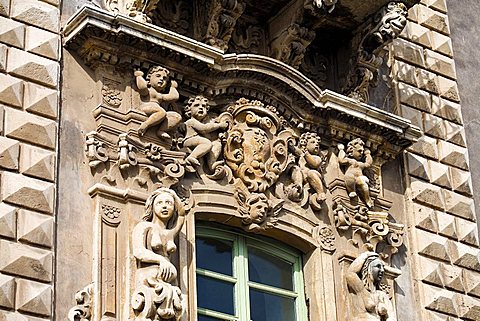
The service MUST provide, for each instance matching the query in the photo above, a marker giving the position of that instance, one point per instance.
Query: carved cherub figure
(369, 302)
(153, 92)
(196, 128)
(311, 163)
(356, 159)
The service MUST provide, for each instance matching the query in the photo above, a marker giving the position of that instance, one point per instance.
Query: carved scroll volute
(256, 149)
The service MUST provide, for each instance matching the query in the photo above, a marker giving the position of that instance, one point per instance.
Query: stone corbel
(365, 63)
(140, 10)
(222, 17)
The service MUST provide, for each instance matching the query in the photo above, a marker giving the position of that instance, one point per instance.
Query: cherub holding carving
(368, 301)
(197, 126)
(154, 91)
(312, 164)
(356, 159)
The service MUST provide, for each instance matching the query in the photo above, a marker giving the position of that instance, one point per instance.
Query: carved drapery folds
(370, 40)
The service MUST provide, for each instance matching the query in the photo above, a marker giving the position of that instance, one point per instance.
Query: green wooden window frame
(240, 279)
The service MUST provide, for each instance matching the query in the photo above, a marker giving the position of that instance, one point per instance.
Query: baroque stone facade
(243, 116)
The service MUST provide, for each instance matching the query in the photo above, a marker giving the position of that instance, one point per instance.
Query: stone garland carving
(83, 309)
(222, 19)
(368, 302)
(154, 91)
(386, 26)
(140, 10)
(156, 297)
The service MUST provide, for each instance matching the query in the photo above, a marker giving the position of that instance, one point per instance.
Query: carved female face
(199, 108)
(313, 146)
(158, 80)
(258, 211)
(163, 206)
(377, 270)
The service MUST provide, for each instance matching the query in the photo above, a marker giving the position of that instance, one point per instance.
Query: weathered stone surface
(448, 89)
(459, 205)
(472, 282)
(9, 151)
(23, 260)
(7, 292)
(441, 43)
(8, 221)
(3, 57)
(413, 115)
(427, 80)
(453, 155)
(446, 109)
(434, 126)
(41, 42)
(425, 218)
(28, 192)
(408, 52)
(439, 63)
(433, 246)
(466, 257)
(418, 166)
(461, 181)
(418, 34)
(447, 225)
(4, 7)
(16, 316)
(470, 309)
(440, 300)
(433, 19)
(30, 128)
(426, 193)
(415, 97)
(12, 32)
(426, 146)
(467, 232)
(439, 174)
(33, 67)
(33, 297)
(11, 90)
(37, 162)
(453, 278)
(36, 13)
(455, 133)
(405, 72)
(35, 228)
(439, 5)
(41, 100)
(431, 271)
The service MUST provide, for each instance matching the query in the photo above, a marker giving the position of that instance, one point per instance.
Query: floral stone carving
(156, 296)
(368, 301)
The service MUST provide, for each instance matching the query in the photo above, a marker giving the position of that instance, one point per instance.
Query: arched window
(246, 278)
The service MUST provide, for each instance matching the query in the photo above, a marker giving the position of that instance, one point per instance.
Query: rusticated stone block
(30, 128)
(4, 7)
(53, 2)
(459, 205)
(439, 5)
(439, 63)
(440, 174)
(453, 155)
(425, 193)
(431, 271)
(418, 166)
(27, 261)
(408, 51)
(11, 90)
(37, 162)
(435, 316)
(472, 282)
(453, 278)
(466, 257)
(434, 126)
(446, 109)
(2, 113)
(36, 13)
(12, 32)
(41, 100)
(461, 181)
(434, 246)
(33, 67)
(427, 80)
(447, 225)
(41, 42)
(425, 218)
(467, 231)
(470, 309)
(441, 300)
(35, 228)
(441, 43)
(9, 151)
(3, 57)
(33, 297)
(455, 134)
(426, 146)
(8, 221)
(414, 97)
(15, 316)
(27, 192)
(7, 291)
(413, 115)
(418, 34)
(405, 72)
(448, 89)
(433, 19)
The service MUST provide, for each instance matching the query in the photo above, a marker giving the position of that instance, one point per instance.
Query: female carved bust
(368, 301)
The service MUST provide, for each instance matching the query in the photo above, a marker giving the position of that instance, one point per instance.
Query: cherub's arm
(342, 156)
(353, 280)
(205, 128)
(173, 94)
(181, 215)
(368, 159)
(313, 161)
(142, 84)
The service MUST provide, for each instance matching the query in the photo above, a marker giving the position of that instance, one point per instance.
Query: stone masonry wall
(442, 233)
(29, 96)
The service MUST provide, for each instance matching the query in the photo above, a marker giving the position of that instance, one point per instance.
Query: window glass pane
(214, 255)
(215, 294)
(269, 307)
(267, 269)
(205, 318)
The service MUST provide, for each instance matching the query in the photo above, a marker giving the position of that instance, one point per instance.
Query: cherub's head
(157, 78)
(257, 206)
(197, 107)
(355, 149)
(310, 142)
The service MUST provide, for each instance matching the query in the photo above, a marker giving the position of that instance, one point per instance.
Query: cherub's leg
(350, 185)
(201, 146)
(315, 181)
(214, 154)
(156, 115)
(362, 185)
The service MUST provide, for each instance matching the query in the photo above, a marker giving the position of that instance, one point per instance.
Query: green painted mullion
(244, 303)
(300, 304)
(272, 290)
(215, 314)
(215, 275)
